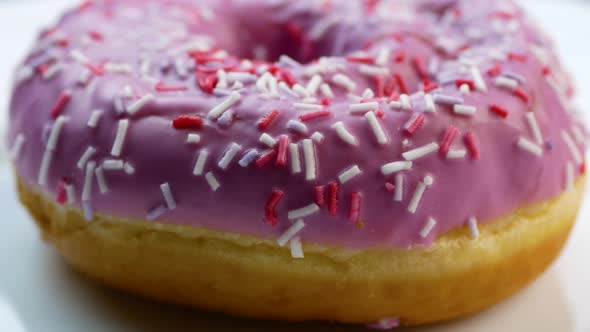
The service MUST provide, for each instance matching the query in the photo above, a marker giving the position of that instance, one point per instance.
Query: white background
(39, 293)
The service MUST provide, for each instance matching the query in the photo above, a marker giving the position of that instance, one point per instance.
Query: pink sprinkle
(520, 93)
(314, 115)
(266, 158)
(268, 119)
(390, 187)
(162, 87)
(448, 138)
(319, 195)
(494, 71)
(283, 150)
(270, 207)
(472, 145)
(61, 103)
(401, 83)
(414, 124)
(333, 198)
(62, 196)
(355, 207)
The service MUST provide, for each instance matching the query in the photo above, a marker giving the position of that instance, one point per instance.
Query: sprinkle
(398, 196)
(94, 118)
(314, 84)
(456, 154)
(61, 103)
(569, 176)
(421, 151)
(140, 103)
(317, 137)
(193, 138)
(266, 158)
(369, 70)
(502, 112)
(478, 80)
(112, 165)
(212, 181)
(70, 194)
(448, 138)
(17, 146)
(420, 188)
(429, 101)
(87, 190)
(460, 83)
(401, 83)
(218, 110)
(308, 106)
(376, 128)
(428, 227)
(229, 155)
(473, 230)
(303, 212)
(270, 207)
(415, 122)
(290, 233)
(572, 147)
(464, 89)
(447, 100)
(385, 324)
(494, 71)
(326, 90)
(520, 93)
(362, 108)
(405, 102)
(300, 91)
(100, 179)
(297, 126)
(52, 71)
(248, 158)
(265, 122)
(56, 132)
(295, 159)
(310, 160)
(471, 144)
(344, 81)
(368, 93)
(156, 212)
(90, 151)
(267, 140)
(534, 126)
(314, 115)
(120, 138)
(395, 167)
(296, 248)
(333, 190)
(168, 197)
(319, 195)
(528, 146)
(44, 169)
(119, 68)
(289, 61)
(349, 174)
(355, 207)
(344, 134)
(129, 169)
(383, 57)
(284, 142)
(88, 211)
(200, 164)
(506, 83)
(187, 122)
(579, 136)
(464, 110)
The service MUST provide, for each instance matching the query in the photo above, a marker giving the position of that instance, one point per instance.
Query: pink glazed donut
(397, 162)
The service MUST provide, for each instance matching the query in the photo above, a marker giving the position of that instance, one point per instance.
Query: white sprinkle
(528, 146)
(295, 158)
(120, 68)
(418, 193)
(326, 90)
(314, 85)
(300, 91)
(181, 69)
(17, 146)
(465, 89)
(193, 138)
(534, 126)
(317, 137)
(127, 91)
(94, 118)
(140, 103)
(120, 138)
(430, 224)
(478, 80)
(112, 165)
(296, 248)
(396, 166)
(200, 164)
(421, 151)
(90, 151)
(290, 232)
(168, 197)
(248, 158)
(297, 126)
(229, 155)
(285, 59)
(212, 181)
(56, 132)
(349, 174)
(87, 191)
(373, 71)
(578, 135)
(447, 100)
(344, 134)
(569, 176)
(362, 108)
(572, 147)
(118, 105)
(222, 80)
(100, 179)
(429, 101)
(273, 87)
(70, 194)
(405, 102)
(344, 81)
(156, 212)
(44, 169)
(129, 169)
(145, 66)
(262, 83)
(456, 154)
(506, 83)
(79, 56)
(354, 98)
(310, 160)
(84, 76)
(464, 110)
(308, 106)
(267, 140)
(398, 196)
(383, 57)
(472, 222)
(241, 77)
(377, 128)
(218, 110)
(303, 212)
(88, 211)
(368, 93)
(52, 71)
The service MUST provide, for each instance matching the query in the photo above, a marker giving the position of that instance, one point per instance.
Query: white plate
(38, 292)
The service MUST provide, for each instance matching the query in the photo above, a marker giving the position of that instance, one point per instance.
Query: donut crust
(252, 277)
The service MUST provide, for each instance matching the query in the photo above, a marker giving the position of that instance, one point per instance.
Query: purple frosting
(162, 49)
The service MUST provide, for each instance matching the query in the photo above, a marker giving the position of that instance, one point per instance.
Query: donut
(371, 162)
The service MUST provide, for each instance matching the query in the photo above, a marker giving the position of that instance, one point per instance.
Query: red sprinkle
(416, 121)
(502, 112)
(96, 35)
(418, 63)
(583, 168)
(162, 87)
(517, 57)
(326, 101)
(268, 119)
(379, 113)
(546, 71)
(399, 56)
(520, 93)
(207, 83)
(95, 69)
(380, 86)
(283, 149)
(43, 68)
(355, 207)
(287, 77)
(319, 196)
(390, 187)
(471, 84)
(314, 115)
(266, 158)
(401, 83)
(502, 15)
(270, 207)
(429, 86)
(360, 59)
(333, 198)
(448, 138)
(61, 192)
(61, 103)
(471, 144)
(494, 71)
(187, 122)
